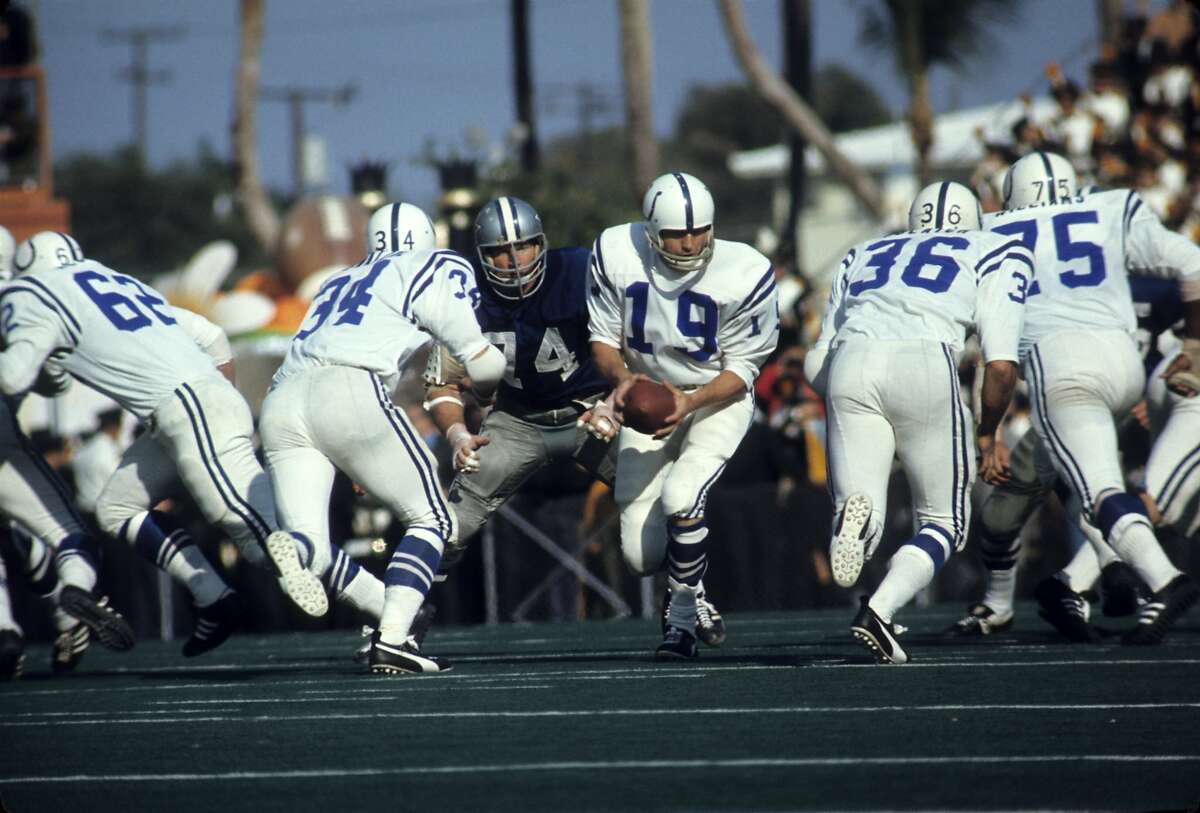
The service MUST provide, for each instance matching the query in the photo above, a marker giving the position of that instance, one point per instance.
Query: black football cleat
(980, 620)
(403, 659)
(1162, 610)
(109, 626)
(68, 649)
(677, 644)
(1065, 610)
(214, 624)
(877, 635)
(1121, 589)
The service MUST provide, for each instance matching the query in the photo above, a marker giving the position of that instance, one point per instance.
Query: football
(647, 406)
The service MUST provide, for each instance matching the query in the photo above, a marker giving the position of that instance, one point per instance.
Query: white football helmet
(1038, 179)
(945, 206)
(679, 202)
(8, 247)
(399, 227)
(46, 250)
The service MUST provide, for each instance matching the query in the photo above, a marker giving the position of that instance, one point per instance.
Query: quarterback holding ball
(670, 302)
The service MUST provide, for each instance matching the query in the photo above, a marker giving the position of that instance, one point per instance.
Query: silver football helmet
(679, 202)
(945, 206)
(1038, 179)
(399, 227)
(46, 250)
(507, 223)
(8, 247)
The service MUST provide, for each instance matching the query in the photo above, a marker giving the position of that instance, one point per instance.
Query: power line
(138, 73)
(296, 97)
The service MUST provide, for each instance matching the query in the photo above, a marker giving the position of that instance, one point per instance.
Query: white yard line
(622, 765)
(86, 718)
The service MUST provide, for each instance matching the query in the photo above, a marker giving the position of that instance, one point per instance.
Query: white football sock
(683, 605)
(910, 571)
(400, 607)
(1132, 537)
(1001, 590)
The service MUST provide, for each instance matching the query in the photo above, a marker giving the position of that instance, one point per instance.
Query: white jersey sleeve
(1151, 249)
(1004, 274)
(750, 334)
(835, 308)
(442, 302)
(34, 324)
(208, 337)
(605, 320)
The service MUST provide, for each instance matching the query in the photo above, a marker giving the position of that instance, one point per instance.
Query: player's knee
(643, 545)
(1117, 511)
(112, 513)
(1001, 516)
(681, 498)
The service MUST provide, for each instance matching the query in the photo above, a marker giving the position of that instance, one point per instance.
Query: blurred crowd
(1132, 122)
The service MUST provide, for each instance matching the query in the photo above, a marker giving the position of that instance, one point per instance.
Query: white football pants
(1173, 470)
(1079, 382)
(337, 417)
(30, 491)
(657, 479)
(902, 398)
(200, 437)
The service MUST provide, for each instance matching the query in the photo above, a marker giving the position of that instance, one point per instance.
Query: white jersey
(1084, 249)
(932, 285)
(110, 331)
(683, 328)
(376, 314)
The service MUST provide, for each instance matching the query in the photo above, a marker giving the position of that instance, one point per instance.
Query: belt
(540, 416)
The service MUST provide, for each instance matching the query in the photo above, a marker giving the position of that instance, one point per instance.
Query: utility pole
(139, 74)
(523, 85)
(296, 97)
(797, 49)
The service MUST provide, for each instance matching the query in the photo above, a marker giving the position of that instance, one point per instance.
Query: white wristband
(441, 399)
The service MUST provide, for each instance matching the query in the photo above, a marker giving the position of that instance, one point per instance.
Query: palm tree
(925, 33)
(260, 214)
(780, 95)
(639, 114)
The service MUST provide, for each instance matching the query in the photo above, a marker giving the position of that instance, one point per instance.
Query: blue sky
(432, 69)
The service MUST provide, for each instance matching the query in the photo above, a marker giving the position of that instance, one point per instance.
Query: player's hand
(466, 446)
(993, 463)
(358, 490)
(601, 420)
(683, 408)
(618, 395)
(1182, 375)
(1141, 413)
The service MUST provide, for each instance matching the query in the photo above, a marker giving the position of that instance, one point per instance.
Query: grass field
(789, 714)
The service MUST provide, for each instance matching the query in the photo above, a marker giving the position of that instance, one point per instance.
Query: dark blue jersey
(1159, 307)
(544, 337)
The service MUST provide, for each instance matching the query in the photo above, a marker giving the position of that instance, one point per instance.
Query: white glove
(465, 446)
(601, 420)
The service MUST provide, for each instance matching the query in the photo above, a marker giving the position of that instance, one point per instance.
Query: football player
(32, 494)
(67, 314)
(887, 361)
(330, 405)
(669, 301)
(1158, 307)
(1080, 358)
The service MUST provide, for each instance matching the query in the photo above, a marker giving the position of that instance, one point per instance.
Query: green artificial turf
(788, 714)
